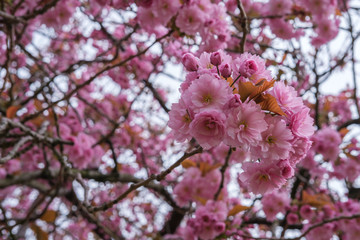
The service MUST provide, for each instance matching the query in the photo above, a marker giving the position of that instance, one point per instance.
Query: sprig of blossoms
(236, 102)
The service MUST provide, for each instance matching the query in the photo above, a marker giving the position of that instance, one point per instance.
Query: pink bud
(215, 58)
(225, 70)
(306, 212)
(190, 62)
(219, 226)
(292, 218)
(286, 170)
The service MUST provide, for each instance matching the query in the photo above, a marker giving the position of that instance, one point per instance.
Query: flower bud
(225, 70)
(219, 226)
(190, 62)
(215, 58)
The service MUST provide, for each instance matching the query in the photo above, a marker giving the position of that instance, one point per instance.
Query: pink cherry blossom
(245, 125)
(261, 178)
(276, 140)
(208, 128)
(190, 19)
(208, 92)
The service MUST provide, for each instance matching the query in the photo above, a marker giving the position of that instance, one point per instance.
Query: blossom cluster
(322, 15)
(192, 17)
(208, 222)
(236, 102)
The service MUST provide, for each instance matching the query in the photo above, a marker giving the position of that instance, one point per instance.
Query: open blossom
(274, 203)
(284, 29)
(195, 185)
(245, 125)
(326, 29)
(209, 220)
(287, 98)
(165, 9)
(190, 19)
(208, 92)
(180, 118)
(326, 142)
(208, 128)
(278, 7)
(275, 142)
(261, 178)
(300, 146)
(301, 123)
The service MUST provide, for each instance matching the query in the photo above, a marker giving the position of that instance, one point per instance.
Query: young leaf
(188, 163)
(11, 111)
(49, 216)
(236, 209)
(268, 102)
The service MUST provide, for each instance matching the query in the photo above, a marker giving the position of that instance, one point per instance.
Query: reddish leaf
(245, 90)
(188, 163)
(316, 200)
(268, 102)
(39, 233)
(11, 111)
(49, 216)
(236, 209)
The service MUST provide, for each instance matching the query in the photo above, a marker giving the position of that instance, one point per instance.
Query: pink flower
(208, 128)
(274, 203)
(326, 29)
(225, 70)
(318, 7)
(208, 92)
(248, 68)
(165, 9)
(300, 146)
(190, 77)
(180, 118)
(190, 62)
(245, 125)
(261, 178)
(195, 185)
(150, 21)
(251, 67)
(301, 123)
(324, 232)
(215, 58)
(286, 169)
(81, 153)
(284, 29)
(292, 218)
(278, 7)
(326, 142)
(190, 19)
(306, 212)
(234, 102)
(210, 219)
(286, 97)
(275, 142)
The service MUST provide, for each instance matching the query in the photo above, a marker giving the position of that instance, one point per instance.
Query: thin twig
(244, 25)
(158, 177)
(222, 170)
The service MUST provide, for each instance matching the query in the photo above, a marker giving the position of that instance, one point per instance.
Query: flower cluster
(191, 17)
(236, 102)
(209, 221)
